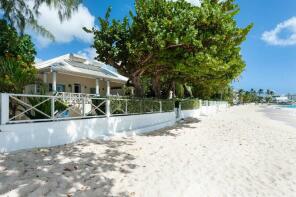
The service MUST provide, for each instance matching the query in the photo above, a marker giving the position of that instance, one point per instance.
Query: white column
(4, 108)
(97, 87)
(35, 89)
(52, 107)
(54, 81)
(44, 77)
(108, 88)
(132, 91)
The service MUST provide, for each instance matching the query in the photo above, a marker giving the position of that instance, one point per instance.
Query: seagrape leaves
(175, 39)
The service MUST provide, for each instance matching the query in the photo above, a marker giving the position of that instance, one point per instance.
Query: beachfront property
(292, 97)
(281, 99)
(73, 74)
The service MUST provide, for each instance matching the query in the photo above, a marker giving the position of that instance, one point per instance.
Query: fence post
(52, 106)
(4, 107)
(83, 106)
(180, 106)
(108, 107)
(160, 106)
(126, 106)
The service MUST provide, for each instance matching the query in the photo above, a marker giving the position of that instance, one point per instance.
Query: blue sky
(270, 50)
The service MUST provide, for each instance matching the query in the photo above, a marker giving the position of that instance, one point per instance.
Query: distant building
(281, 99)
(292, 97)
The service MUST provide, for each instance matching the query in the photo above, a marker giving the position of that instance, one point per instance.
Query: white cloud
(194, 2)
(65, 31)
(38, 60)
(273, 37)
(89, 53)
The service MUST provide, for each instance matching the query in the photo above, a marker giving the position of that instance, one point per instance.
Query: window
(116, 88)
(92, 90)
(50, 87)
(60, 87)
(77, 88)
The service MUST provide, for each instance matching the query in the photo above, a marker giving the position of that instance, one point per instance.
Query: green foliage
(134, 106)
(150, 106)
(179, 90)
(140, 106)
(117, 106)
(174, 41)
(101, 109)
(254, 96)
(16, 58)
(190, 104)
(24, 13)
(168, 105)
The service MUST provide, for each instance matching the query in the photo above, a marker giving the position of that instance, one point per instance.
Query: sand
(239, 152)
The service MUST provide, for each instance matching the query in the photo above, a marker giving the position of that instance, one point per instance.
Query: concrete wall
(46, 134)
(190, 113)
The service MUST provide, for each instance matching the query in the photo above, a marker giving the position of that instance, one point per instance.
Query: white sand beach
(241, 152)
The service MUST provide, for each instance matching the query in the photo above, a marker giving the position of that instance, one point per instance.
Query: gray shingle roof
(74, 64)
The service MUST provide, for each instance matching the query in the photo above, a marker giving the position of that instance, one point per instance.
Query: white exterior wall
(208, 110)
(190, 113)
(86, 84)
(45, 134)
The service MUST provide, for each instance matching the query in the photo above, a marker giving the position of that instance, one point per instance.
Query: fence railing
(18, 108)
(120, 106)
(190, 104)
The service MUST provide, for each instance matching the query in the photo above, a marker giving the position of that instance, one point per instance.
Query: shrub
(150, 106)
(117, 106)
(190, 104)
(168, 105)
(134, 106)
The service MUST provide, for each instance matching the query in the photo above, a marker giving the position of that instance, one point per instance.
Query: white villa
(292, 97)
(72, 73)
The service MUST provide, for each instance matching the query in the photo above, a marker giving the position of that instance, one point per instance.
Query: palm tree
(241, 93)
(272, 93)
(22, 14)
(260, 92)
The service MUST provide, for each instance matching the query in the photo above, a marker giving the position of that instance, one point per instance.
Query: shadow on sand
(78, 169)
(171, 131)
(70, 170)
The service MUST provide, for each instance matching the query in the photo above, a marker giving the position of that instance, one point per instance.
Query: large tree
(174, 41)
(17, 55)
(23, 13)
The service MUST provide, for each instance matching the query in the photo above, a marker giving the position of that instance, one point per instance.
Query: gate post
(4, 108)
(108, 111)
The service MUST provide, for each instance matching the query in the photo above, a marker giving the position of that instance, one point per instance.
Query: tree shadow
(71, 170)
(171, 131)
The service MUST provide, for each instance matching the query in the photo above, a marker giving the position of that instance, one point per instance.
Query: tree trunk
(156, 85)
(136, 81)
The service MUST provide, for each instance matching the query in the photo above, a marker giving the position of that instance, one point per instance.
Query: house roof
(77, 65)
